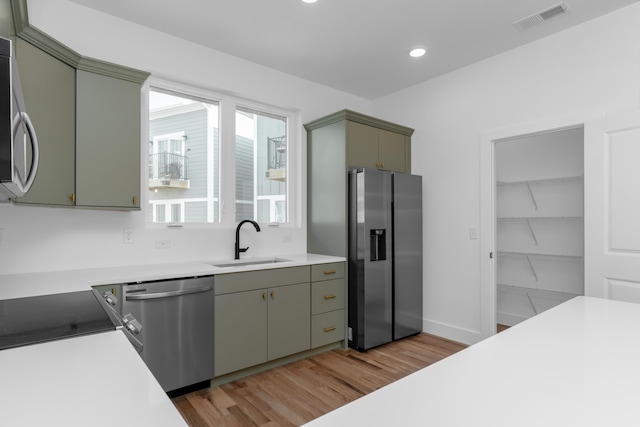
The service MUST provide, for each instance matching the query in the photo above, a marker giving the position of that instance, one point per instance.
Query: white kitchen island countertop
(94, 380)
(577, 364)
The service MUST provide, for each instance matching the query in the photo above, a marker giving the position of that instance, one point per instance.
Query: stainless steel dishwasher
(177, 328)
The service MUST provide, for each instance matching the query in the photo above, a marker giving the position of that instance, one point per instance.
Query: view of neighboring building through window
(261, 143)
(184, 160)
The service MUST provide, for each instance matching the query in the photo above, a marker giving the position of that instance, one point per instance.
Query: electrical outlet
(127, 236)
(163, 244)
(287, 238)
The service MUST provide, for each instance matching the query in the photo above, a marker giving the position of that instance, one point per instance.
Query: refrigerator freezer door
(407, 201)
(370, 269)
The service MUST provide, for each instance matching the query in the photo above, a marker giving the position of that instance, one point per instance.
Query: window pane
(183, 157)
(261, 162)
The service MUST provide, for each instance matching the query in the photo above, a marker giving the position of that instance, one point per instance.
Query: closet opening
(538, 223)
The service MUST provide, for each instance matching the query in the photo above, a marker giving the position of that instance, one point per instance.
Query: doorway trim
(488, 256)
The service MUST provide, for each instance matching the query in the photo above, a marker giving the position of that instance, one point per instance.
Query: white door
(612, 207)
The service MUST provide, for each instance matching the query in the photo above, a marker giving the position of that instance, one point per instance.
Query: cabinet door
(240, 330)
(362, 145)
(49, 94)
(289, 320)
(108, 142)
(7, 29)
(391, 151)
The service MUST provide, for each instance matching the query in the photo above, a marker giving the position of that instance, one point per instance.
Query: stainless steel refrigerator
(385, 257)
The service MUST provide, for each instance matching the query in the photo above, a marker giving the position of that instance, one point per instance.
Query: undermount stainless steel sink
(241, 263)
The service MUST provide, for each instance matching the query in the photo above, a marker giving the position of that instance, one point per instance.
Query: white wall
(592, 67)
(43, 239)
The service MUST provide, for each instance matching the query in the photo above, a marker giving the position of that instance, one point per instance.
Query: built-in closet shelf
(517, 303)
(541, 218)
(535, 254)
(561, 273)
(543, 198)
(541, 180)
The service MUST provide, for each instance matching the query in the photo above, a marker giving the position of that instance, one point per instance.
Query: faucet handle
(243, 249)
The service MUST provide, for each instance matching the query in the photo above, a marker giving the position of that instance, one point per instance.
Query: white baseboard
(454, 333)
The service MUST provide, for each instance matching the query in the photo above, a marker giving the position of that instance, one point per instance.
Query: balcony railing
(277, 158)
(168, 170)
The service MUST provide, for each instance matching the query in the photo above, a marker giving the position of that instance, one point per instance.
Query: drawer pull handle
(330, 296)
(329, 272)
(330, 328)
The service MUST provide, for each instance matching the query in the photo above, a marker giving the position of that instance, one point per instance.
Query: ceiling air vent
(540, 17)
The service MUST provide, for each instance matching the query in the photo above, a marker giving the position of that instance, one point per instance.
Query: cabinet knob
(273, 294)
(264, 296)
(73, 197)
(330, 328)
(330, 296)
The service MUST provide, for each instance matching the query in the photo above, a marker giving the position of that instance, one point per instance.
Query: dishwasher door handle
(167, 294)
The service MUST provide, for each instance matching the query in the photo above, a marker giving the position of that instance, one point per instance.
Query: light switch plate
(473, 233)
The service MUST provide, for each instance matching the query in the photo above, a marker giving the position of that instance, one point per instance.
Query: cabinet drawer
(327, 328)
(327, 296)
(258, 279)
(329, 271)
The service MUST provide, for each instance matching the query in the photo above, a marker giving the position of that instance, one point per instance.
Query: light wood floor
(296, 393)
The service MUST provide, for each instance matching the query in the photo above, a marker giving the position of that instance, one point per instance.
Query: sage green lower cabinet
(264, 316)
(328, 296)
(240, 330)
(261, 316)
(289, 322)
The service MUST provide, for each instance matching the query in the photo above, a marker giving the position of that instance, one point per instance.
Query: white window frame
(227, 105)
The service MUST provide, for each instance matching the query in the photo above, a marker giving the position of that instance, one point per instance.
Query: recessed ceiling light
(417, 52)
(309, 1)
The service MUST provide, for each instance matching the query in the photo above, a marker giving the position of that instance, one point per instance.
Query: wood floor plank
(296, 393)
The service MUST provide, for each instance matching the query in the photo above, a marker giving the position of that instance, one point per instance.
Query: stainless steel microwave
(19, 153)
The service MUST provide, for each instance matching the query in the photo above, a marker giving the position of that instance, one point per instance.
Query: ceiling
(357, 46)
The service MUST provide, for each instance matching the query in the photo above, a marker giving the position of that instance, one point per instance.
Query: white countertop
(33, 284)
(577, 364)
(94, 380)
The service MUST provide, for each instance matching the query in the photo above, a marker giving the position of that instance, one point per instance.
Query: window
(261, 152)
(207, 149)
(183, 158)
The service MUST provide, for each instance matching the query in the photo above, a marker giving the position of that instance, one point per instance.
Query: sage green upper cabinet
(86, 113)
(371, 147)
(6, 20)
(49, 93)
(335, 143)
(108, 141)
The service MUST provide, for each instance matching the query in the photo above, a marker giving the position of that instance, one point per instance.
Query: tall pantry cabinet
(335, 144)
